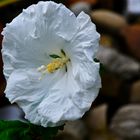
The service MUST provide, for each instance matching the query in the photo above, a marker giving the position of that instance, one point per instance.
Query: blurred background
(115, 115)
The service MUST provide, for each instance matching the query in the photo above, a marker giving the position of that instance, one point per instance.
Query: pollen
(56, 64)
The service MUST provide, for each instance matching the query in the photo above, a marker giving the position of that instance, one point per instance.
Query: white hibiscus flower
(48, 63)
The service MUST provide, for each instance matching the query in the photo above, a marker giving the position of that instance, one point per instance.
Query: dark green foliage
(16, 130)
(55, 56)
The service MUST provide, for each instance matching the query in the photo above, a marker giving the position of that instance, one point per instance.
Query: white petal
(56, 109)
(59, 106)
(66, 101)
(85, 98)
(88, 36)
(87, 74)
(25, 88)
(86, 39)
(37, 32)
(87, 86)
(82, 51)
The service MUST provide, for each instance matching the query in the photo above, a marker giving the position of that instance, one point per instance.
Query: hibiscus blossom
(48, 57)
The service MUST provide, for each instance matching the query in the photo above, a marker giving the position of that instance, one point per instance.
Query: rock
(135, 92)
(79, 7)
(108, 19)
(104, 136)
(131, 35)
(106, 40)
(96, 118)
(11, 112)
(75, 128)
(65, 136)
(118, 63)
(113, 90)
(96, 123)
(126, 123)
(91, 2)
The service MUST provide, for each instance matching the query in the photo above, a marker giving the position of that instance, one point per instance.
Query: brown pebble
(108, 19)
(135, 92)
(126, 122)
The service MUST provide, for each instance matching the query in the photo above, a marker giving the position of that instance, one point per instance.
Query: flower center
(57, 63)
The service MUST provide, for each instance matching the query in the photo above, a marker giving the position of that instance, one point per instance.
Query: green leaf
(17, 130)
(54, 56)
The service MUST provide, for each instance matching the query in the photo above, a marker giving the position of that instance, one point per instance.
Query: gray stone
(108, 19)
(126, 122)
(11, 112)
(96, 118)
(79, 7)
(75, 128)
(118, 63)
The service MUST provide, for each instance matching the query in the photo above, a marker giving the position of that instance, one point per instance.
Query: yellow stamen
(56, 64)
